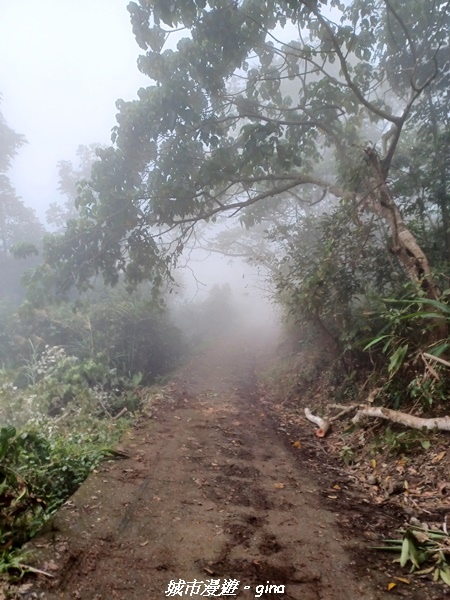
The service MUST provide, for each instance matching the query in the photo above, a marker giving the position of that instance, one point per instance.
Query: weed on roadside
(55, 431)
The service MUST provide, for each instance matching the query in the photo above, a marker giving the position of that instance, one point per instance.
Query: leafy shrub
(329, 270)
(53, 435)
(135, 336)
(40, 467)
(410, 348)
(129, 333)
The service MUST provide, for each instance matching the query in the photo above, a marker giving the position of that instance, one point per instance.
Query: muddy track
(210, 493)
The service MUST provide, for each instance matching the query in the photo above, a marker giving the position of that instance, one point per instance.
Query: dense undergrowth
(396, 358)
(55, 431)
(73, 377)
(344, 307)
(69, 371)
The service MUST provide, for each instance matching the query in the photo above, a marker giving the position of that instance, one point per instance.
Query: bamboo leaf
(425, 571)
(441, 306)
(438, 350)
(423, 315)
(397, 359)
(405, 552)
(414, 554)
(375, 341)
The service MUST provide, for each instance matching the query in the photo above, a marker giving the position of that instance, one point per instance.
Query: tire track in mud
(210, 493)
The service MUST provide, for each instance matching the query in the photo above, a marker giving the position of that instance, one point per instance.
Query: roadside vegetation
(71, 382)
(74, 375)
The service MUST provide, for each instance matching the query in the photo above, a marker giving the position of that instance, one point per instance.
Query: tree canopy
(70, 176)
(18, 223)
(258, 101)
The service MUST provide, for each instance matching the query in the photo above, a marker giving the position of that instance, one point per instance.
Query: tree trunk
(404, 244)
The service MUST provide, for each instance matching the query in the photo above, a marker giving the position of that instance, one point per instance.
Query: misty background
(63, 67)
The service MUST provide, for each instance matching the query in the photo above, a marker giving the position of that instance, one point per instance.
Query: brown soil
(213, 490)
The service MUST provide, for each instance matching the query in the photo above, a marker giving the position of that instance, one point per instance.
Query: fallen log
(323, 424)
(439, 423)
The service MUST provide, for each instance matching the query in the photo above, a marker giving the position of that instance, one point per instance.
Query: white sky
(63, 64)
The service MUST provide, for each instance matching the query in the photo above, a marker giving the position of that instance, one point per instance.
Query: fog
(63, 66)
(250, 291)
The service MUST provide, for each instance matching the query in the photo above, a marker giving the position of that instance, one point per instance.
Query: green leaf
(423, 315)
(387, 344)
(375, 341)
(404, 556)
(438, 350)
(413, 553)
(397, 359)
(6, 433)
(441, 306)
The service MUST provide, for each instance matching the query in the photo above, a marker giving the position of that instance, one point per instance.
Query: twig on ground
(429, 368)
(105, 409)
(121, 413)
(34, 570)
(343, 412)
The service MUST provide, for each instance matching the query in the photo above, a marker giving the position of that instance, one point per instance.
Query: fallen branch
(439, 423)
(64, 415)
(34, 570)
(323, 424)
(429, 368)
(343, 412)
(106, 411)
(437, 359)
(343, 407)
(121, 413)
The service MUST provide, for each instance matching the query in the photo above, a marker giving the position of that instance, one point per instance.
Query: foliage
(410, 344)
(347, 455)
(420, 546)
(237, 118)
(129, 334)
(135, 335)
(19, 226)
(329, 272)
(402, 442)
(18, 223)
(70, 178)
(52, 438)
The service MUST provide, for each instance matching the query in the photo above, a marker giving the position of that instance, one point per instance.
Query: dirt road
(211, 496)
